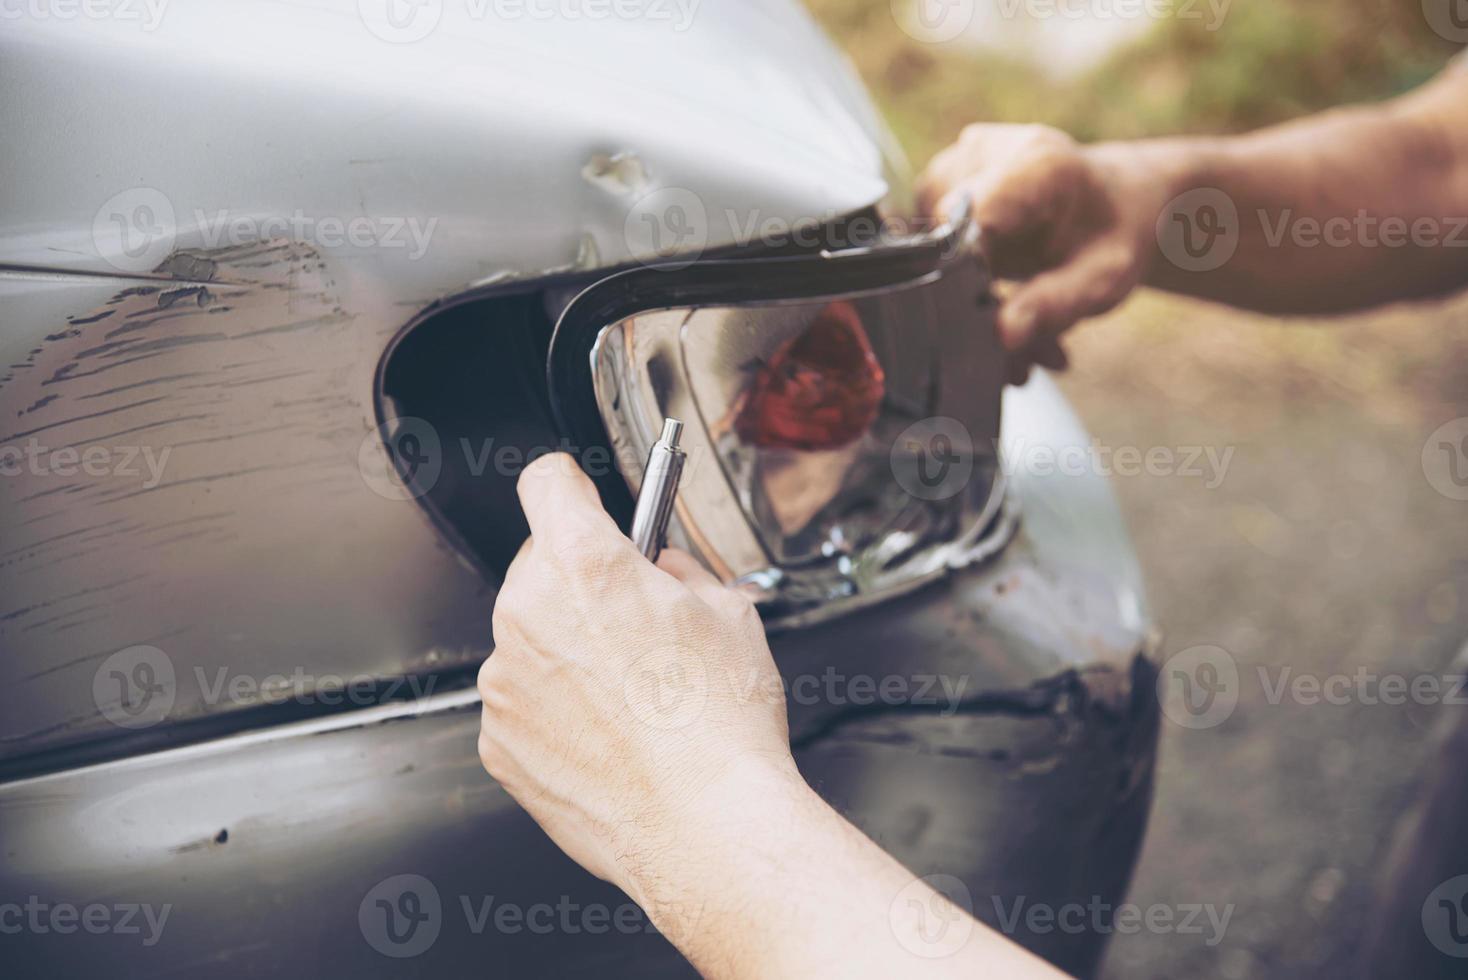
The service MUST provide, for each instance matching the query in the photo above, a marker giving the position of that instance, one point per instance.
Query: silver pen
(659, 489)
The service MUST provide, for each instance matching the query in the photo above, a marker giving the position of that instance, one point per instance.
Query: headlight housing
(841, 410)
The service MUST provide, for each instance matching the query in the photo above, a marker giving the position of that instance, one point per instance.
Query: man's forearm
(1348, 209)
(801, 892)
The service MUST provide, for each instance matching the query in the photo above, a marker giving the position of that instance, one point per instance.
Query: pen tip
(672, 431)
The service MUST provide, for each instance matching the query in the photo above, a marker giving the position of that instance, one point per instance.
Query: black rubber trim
(723, 282)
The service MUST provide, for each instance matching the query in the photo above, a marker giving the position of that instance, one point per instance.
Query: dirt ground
(1325, 550)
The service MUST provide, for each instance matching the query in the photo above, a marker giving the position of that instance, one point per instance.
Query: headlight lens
(841, 444)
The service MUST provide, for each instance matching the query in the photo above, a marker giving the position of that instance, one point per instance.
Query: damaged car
(291, 294)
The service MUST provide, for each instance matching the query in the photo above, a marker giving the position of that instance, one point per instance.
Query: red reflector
(820, 390)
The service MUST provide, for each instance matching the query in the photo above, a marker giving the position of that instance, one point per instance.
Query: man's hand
(1336, 212)
(1071, 221)
(638, 716)
(621, 696)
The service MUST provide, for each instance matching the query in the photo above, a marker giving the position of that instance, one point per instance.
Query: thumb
(1094, 281)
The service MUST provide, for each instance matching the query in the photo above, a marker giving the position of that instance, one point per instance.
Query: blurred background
(1325, 550)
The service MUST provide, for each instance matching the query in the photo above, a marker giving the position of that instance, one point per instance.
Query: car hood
(520, 135)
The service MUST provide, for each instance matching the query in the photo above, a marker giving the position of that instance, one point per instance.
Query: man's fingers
(1016, 176)
(980, 148)
(1010, 204)
(1016, 211)
(1088, 285)
(1045, 352)
(1048, 353)
(561, 502)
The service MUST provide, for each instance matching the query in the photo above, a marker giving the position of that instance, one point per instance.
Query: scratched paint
(181, 472)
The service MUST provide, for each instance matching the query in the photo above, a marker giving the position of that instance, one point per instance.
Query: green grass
(1270, 60)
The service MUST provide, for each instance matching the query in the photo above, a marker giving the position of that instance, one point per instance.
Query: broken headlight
(841, 413)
